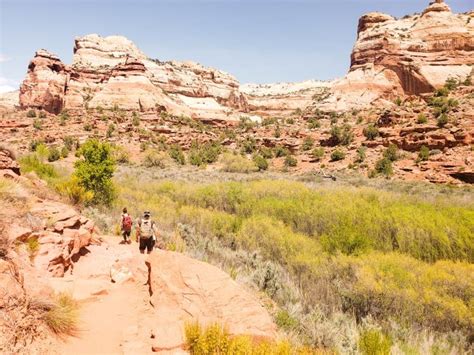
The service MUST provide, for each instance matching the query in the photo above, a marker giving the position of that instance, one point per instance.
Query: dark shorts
(126, 234)
(147, 243)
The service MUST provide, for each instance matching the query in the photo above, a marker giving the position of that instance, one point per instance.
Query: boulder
(184, 289)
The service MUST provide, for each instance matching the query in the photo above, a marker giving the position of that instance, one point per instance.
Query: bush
(62, 317)
(54, 154)
(361, 154)
(442, 120)
(64, 152)
(313, 123)
(120, 154)
(422, 119)
(337, 155)
(373, 342)
(176, 153)
(424, 153)
(285, 321)
(391, 153)
(31, 114)
(215, 339)
(341, 135)
(290, 161)
(87, 127)
(371, 132)
(154, 158)
(34, 144)
(37, 124)
(135, 119)
(265, 152)
(74, 192)
(260, 162)
(318, 153)
(202, 154)
(31, 162)
(384, 166)
(398, 101)
(281, 151)
(110, 130)
(451, 84)
(95, 171)
(308, 143)
(234, 163)
(42, 114)
(248, 145)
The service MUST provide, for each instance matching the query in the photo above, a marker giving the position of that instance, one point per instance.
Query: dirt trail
(109, 321)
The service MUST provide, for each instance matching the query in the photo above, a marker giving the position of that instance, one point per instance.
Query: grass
(215, 339)
(62, 317)
(353, 253)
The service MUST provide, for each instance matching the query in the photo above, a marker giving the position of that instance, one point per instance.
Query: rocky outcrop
(111, 72)
(8, 164)
(45, 83)
(185, 290)
(419, 51)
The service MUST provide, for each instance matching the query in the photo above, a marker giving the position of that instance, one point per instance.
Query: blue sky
(255, 40)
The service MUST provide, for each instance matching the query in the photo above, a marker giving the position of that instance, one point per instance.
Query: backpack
(146, 228)
(127, 223)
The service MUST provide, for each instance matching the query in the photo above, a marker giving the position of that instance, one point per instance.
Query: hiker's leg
(149, 245)
(142, 245)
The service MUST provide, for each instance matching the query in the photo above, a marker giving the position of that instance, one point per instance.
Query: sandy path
(109, 321)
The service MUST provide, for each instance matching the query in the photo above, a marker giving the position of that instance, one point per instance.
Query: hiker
(126, 226)
(146, 232)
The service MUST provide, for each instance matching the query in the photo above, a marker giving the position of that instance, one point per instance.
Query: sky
(260, 41)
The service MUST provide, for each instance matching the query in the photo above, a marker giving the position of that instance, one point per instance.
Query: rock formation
(112, 72)
(420, 51)
(45, 83)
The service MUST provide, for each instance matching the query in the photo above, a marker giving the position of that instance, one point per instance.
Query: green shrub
(34, 144)
(281, 151)
(398, 101)
(371, 132)
(110, 130)
(424, 153)
(318, 153)
(451, 84)
(422, 119)
(285, 321)
(341, 135)
(176, 153)
(260, 162)
(266, 152)
(384, 166)
(442, 120)
(290, 161)
(361, 154)
(337, 155)
(135, 119)
(62, 317)
(31, 114)
(120, 154)
(308, 143)
(248, 145)
(374, 342)
(391, 153)
(202, 154)
(42, 114)
(74, 192)
(64, 152)
(95, 171)
(277, 132)
(37, 124)
(268, 121)
(313, 123)
(235, 163)
(87, 127)
(155, 159)
(54, 154)
(31, 162)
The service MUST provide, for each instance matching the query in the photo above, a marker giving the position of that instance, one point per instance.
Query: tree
(95, 171)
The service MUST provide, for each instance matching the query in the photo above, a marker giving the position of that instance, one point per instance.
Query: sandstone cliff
(112, 72)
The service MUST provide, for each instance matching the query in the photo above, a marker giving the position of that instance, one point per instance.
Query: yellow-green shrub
(62, 317)
(234, 163)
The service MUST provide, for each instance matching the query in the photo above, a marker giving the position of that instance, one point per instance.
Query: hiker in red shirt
(126, 226)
